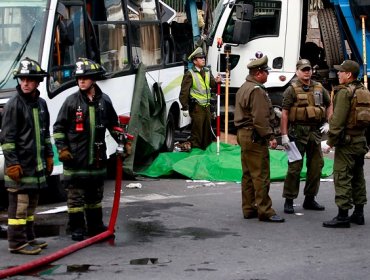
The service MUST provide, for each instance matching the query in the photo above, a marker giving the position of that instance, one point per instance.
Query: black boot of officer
(288, 206)
(311, 204)
(340, 221)
(357, 216)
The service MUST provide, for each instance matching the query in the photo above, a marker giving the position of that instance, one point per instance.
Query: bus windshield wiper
(17, 58)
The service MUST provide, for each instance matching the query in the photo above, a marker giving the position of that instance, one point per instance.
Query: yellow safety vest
(200, 89)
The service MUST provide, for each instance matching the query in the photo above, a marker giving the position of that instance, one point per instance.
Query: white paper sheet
(293, 153)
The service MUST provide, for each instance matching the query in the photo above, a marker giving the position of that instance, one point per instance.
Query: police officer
(306, 108)
(195, 97)
(28, 153)
(347, 134)
(79, 134)
(253, 118)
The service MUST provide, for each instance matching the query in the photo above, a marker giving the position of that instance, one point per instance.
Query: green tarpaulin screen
(207, 165)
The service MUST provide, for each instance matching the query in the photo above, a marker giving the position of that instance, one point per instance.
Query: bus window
(113, 37)
(69, 44)
(146, 47)
(113, 47)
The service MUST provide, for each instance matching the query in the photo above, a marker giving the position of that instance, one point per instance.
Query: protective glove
(49, 165)
(324, 128)
(65, 155)
(285, 140)
(15, 172)
(185, 113)
(277, 112)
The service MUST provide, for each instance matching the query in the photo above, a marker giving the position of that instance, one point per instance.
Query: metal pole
(227, 51)
(218, 121)
(363, 18)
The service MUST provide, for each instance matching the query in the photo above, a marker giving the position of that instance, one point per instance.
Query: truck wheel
(170, 133)
(330, 36)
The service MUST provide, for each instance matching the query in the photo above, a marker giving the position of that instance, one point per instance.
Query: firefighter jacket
(196, 87)
(345, 125)
(25, 139)
(80, 127)
(253, 109)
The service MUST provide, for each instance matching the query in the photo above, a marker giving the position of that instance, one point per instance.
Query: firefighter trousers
(21, 210)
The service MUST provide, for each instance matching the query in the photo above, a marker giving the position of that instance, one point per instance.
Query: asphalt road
(179, 229)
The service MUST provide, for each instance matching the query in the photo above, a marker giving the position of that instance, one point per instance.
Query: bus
(121, 35)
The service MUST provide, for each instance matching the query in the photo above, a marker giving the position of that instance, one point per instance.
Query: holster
(256, 138)
(192, 103)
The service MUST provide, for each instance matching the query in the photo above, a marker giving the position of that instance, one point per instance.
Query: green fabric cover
(147, 123)
(207, 165)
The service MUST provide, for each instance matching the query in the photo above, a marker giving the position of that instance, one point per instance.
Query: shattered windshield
(21, 26)
(217, 14)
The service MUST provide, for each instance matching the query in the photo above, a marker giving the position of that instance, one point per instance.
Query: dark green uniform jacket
(253, 108)
(88, 146)
(25, 139)
(338, 123)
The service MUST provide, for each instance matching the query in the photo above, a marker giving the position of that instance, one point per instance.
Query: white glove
(277, 112)
(185, 113)
(285, 140)
(324, 128)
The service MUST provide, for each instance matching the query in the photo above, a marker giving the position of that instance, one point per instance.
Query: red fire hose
(82, 244)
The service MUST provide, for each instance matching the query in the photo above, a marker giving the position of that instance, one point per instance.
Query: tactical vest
(200, 89)
(308, 107)
(359, 116)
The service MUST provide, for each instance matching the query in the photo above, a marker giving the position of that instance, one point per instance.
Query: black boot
(311, 204)
(357, 216)
(94, 220)
(340, 221)
(77, 225)
(288, 206)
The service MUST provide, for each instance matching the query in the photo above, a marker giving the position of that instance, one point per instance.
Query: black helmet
(86, 67)
(30, 68)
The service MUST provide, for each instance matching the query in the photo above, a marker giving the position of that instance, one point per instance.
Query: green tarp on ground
(207, 165)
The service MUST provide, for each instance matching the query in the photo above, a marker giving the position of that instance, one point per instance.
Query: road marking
(148, 197)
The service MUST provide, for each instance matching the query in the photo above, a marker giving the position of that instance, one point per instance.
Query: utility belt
(312, 126)
(354, 132)
(256, 138)
(193, 103)
(347, 139)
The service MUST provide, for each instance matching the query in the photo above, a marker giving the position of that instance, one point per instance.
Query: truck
(278, 29)
(128, 38)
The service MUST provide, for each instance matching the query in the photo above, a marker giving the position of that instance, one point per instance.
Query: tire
(331, 38)
(170, 134)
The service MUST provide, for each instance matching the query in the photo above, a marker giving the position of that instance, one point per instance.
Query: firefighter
(195, 98)
(350, 119)
(79, 134)
(28, 154)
